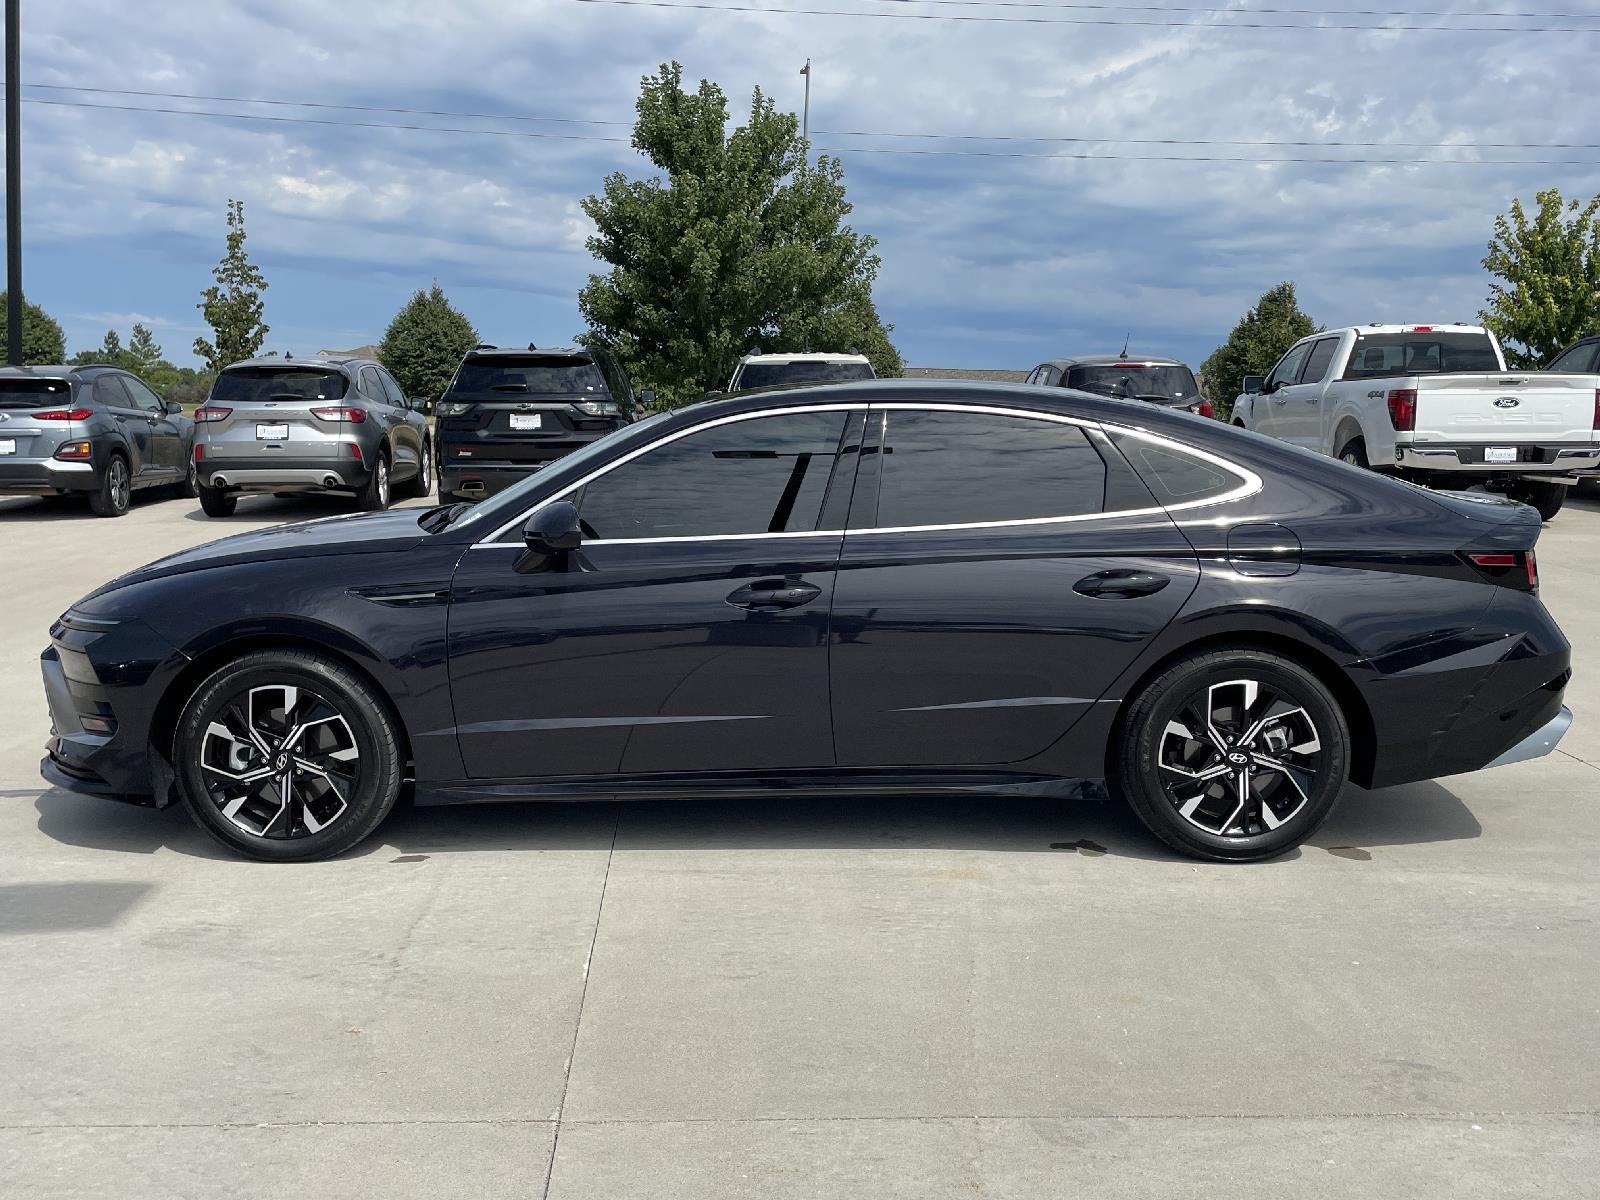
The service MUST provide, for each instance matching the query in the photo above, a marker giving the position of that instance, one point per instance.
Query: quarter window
(764, 475)
(1176, 477)
(959, 468)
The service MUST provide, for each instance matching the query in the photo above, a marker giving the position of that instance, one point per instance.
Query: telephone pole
(13, 185)
(805, 113)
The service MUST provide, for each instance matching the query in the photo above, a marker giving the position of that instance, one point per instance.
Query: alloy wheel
(280, 761)
(383, 482)
(117, 484)
(1240, 758)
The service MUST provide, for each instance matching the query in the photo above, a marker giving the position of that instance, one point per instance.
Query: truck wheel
(1546, 497)
(1355, 453)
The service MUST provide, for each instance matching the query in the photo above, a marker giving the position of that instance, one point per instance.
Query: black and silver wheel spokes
(1240, 759)
(280, 762)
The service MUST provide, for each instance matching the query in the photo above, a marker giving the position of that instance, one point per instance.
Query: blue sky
(987, 261)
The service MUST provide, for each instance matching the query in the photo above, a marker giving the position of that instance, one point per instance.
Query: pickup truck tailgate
(1506, 410)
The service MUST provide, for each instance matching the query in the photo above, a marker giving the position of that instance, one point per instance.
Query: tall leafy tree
(42, 339)
(739, 246)
(1549, 271)
(425, 343)
(232, 306)
(1255, 345)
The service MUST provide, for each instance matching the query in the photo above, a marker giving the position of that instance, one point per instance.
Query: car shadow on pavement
(266, 507)
(1412, 815)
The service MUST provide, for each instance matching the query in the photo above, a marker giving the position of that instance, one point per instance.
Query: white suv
(787, 370)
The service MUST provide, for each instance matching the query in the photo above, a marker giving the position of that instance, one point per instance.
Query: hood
(364, 533)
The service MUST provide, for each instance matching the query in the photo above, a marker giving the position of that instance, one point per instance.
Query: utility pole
(13, 185)
(805, 113)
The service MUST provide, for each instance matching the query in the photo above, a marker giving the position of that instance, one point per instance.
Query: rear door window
(963, 468)
(254, 385)
(1317, 362)
(512, 376)
(108, 390)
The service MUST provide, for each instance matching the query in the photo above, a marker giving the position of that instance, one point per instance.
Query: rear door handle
(774, 593)
(1120, 584)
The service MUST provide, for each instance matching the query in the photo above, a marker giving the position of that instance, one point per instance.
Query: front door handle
(774, 593)
(1120, 584)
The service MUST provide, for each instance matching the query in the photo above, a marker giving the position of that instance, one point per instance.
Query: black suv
(1164, 381)
(509, 412)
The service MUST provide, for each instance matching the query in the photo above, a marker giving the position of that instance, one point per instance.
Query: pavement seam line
(583, 996)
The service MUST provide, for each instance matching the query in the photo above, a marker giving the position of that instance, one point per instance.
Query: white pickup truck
(1433, 403)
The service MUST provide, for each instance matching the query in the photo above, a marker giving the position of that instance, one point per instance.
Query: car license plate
(524, 421)
(8, 445)
(1500, 454)
(271, 433)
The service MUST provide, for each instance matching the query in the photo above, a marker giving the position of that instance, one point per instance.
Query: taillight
(1596, 423)
(64, 414)
(1203, 408)
(1532, 565)
(355, 451)
(73, 451)
(1516, 569)
(340, 412)
(207, 413)
(199, 451)
(1403, 409)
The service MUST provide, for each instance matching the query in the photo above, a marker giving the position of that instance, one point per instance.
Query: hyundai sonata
(880, 587)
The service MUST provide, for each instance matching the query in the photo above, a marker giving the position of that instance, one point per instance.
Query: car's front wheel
(1232, 754)
(287, 756)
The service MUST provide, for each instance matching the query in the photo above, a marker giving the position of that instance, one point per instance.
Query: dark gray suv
(324, 424)
(92, 431)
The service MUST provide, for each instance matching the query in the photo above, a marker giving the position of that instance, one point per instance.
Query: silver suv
(320, 424)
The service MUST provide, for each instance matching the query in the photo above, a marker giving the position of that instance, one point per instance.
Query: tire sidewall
(371, 727)
(1139, 777)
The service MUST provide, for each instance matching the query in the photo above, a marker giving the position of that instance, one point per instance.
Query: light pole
(13, 185)
(805, 113)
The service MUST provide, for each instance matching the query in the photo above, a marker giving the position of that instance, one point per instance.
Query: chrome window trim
(1250, 483)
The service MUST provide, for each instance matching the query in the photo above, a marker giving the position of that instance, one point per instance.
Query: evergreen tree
(233, 305)
(425, 342)
(1257, 342)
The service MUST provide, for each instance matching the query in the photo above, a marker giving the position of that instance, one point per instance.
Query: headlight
(451, 408)
(598, 408)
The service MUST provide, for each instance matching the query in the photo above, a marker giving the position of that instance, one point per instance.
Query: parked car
(790, 370)
(511, 411)
(97, 432)
(1581, 358)
(1163, 381)
(795, 593)
(1434, 403)
(324, 424)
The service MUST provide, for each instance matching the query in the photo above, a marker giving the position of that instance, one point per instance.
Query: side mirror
(172, 408)
(715, 394)
(554, 529)
(647, 397)
(1252, 384)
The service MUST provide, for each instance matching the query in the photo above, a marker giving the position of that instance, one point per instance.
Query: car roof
(1107, 360)
(807, 356)
(53, 370)
(313, 361)
(524, 351)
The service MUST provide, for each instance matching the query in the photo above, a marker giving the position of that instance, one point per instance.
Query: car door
(1297, 406)
(132, 422)
(406, 426)
(167, 449)
(1000, 570)
(1268, 411)
(688, 633)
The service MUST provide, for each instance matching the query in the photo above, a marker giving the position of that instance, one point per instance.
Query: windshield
(1378, 354)
(759, 375)
(531, 376)
(1133, 379)
(249, 385)
(33, 393)
(518, 492)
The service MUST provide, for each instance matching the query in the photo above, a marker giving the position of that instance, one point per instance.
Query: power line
(932, 152)
(975, 17)
(1298, 12)
(863, 133)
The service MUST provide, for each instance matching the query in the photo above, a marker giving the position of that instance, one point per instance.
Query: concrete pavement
(875, 998)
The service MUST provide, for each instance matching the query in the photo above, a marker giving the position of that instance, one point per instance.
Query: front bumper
(1532, 459)
(44, 476)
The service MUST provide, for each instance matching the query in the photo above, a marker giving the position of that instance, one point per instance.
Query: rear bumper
(43, 476)
(1540, 742)
(254, 474)
(1553, 458)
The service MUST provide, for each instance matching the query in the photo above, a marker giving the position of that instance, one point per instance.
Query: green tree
(1255, 345)
(42, 339)
(1550, 268)
(741, 247)
(425, 343)
(232, 306)
(144, 355)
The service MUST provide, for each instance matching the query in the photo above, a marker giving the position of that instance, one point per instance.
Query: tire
(422, 483)
(113, 492)
(1354, 452)
(1156, 760)
(374, 494)
(229, 756)
(189, 487)
(215, 502)
(1546, 497)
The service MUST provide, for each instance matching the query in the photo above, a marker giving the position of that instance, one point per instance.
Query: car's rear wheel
(114, 493)
(287, 756)
(1233, 754)
(188, 487)
(422, 483)
(374, 496)
(215, 502)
